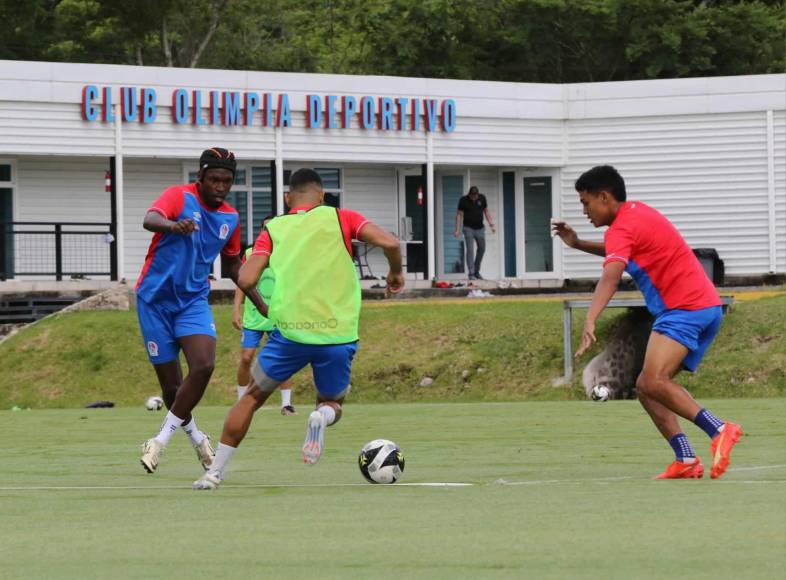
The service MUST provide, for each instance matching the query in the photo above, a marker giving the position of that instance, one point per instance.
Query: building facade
(710, 153)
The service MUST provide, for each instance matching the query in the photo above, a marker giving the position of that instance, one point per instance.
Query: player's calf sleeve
(331, 414)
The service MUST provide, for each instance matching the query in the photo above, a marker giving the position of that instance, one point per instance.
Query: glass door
(538, 245)
(452, 247)
(6, 223)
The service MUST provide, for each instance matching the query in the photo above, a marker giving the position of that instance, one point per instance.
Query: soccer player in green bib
(315, 307)
(254, 326)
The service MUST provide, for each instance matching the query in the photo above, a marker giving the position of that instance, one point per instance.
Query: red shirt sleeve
(232, 247)
(170, 203)
(619, 243)
(352, 222)
(263, 245)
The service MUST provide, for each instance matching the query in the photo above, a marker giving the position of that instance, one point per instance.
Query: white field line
(416, 484)
(226, 486)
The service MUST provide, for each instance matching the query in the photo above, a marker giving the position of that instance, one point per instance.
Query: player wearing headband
(191, 225)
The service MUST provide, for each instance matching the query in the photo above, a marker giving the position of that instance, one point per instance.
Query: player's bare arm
(489, 220)
(237, 309)
(248, 277)
(376, 236)
(457, 233)
(230, 266)
(607, 286)
(155, 222)
(568, 235)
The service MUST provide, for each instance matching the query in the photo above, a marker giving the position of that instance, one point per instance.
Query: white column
(771, 191)
(430, 213)
(279, 177)
(118, 177)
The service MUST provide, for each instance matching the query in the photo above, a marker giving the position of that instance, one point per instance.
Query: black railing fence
(57, 249)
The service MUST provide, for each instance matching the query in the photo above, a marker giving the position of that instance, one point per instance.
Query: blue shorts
(161, 327)
(693, 329)
(331, 364)
(252, 338)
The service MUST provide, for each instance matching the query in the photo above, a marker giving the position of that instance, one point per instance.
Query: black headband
(217, 158)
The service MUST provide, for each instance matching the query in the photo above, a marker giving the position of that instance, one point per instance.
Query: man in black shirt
(472, 207)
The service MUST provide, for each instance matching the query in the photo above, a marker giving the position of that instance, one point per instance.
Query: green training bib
(317, 296)
(252, 318)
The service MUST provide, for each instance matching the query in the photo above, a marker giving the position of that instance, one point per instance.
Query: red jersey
(663, 266)
(352, 223)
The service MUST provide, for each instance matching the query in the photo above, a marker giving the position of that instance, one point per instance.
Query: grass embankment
(511, 348)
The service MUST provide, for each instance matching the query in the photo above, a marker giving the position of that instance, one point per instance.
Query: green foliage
(508, 40)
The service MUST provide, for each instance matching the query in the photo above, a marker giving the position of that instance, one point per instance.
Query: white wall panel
(61, 189)
(706, 173)
(144, 181)
(44, 128)
(501, 141)
(779, 119)
(352, 144)
(372, 190)
(165, 138)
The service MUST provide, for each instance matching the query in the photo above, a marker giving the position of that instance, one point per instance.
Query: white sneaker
(209, 481)
(152, 450)
(315, 438)
(205, 453)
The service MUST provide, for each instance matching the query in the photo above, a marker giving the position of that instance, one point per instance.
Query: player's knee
(648, 383)
(246, 358)
(202, 369)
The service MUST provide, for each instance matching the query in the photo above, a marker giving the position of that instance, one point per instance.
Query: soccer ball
(154, 403)
(600, 393)
(381, 461)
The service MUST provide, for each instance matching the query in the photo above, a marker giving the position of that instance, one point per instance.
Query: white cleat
(315, 438)
(210, 481)
(152, 450)
(205, 453)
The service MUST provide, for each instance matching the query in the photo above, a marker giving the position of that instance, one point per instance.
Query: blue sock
(682, 447)
(708, 423)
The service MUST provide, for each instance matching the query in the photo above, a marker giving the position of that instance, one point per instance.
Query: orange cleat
(680, 470)
(721, 448)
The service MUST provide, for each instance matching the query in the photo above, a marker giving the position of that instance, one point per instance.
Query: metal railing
(58, 249)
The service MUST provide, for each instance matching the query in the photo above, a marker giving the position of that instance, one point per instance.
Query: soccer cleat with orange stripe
(722, 445)
(680, 470)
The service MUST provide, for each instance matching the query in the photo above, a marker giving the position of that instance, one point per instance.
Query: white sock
(329, 413)
(223, 454)
(168, 428)
(241, 390)
(286, 397)
(193, 432)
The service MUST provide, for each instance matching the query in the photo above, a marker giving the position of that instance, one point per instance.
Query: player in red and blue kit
(684, 302)
(192, 224)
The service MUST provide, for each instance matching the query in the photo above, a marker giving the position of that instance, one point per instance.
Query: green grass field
(559, 490)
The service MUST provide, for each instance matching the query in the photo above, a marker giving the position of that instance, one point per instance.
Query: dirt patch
(397, 372)
(761, 342)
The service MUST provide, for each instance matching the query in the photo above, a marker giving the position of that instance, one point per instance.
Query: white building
(710, 153)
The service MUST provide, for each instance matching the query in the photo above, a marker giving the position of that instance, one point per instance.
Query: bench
(567, 322)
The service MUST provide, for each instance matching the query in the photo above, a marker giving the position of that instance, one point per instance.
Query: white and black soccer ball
(154, 403)
(381, 461)
(600, 393)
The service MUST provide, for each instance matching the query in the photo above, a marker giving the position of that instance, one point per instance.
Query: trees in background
(508, 40)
